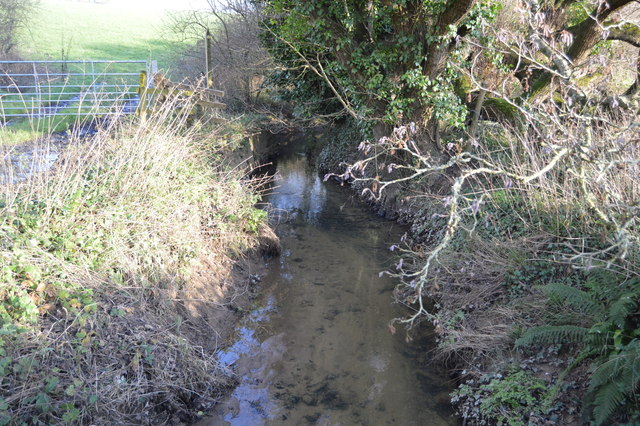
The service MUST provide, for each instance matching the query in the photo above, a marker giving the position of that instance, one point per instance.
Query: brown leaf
(27, 284)
(47, 308)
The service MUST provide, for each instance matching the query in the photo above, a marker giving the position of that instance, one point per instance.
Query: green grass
(98, 31)
(28, 130)
(86, 31)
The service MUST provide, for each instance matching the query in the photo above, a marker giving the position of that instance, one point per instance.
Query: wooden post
(142, 106)
(208, 58)
(153, 70)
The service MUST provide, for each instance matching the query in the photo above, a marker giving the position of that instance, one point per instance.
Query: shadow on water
(318, 351)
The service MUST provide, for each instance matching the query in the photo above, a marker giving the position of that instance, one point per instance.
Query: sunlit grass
(76, 31)
(25, 130)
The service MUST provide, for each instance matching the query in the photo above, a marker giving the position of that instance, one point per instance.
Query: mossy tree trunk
(585, 35)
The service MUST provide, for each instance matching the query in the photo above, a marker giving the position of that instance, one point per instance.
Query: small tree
(239, 59)
(14, 15)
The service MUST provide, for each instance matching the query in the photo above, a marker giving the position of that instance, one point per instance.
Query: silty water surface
(318, 350)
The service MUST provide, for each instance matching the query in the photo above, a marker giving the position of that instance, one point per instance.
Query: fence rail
(35, 89)
(155, 93)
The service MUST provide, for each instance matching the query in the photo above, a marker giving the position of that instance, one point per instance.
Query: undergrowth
(512, 400)
(506, 292)
(94, 255)
(602, 320)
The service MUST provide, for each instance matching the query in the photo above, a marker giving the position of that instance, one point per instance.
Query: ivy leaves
(376, 54)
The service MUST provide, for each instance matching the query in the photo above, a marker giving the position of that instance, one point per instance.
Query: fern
(600, 282)
(580, 300)
(553, 334)
(615, 382)
(621, 309)
(627, 362)
(608, 398)
(609, 339)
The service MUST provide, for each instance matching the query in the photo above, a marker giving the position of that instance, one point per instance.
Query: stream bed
(316, 349)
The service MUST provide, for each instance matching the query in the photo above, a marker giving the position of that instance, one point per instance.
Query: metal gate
(35, 89)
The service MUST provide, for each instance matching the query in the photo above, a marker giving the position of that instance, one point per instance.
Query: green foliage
(243, 215)
(253, 219)
(610, 339)
(508, 400)
(615, 382)
(526, 273)
(127, 216)
(380, 57)
(578, 11)
(553, 334)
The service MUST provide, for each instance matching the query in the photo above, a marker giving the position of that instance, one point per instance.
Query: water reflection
(298, 190)
(319, 352)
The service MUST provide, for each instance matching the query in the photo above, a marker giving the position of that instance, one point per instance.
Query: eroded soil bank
(124, 268)
(317, 350)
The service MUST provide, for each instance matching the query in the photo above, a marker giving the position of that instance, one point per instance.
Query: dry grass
(476, 319)
(102, 257)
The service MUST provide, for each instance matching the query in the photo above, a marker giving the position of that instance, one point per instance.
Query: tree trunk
(585, 36)
(438, 50)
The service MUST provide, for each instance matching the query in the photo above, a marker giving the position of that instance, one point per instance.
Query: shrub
(14, 14)
(94, 257)
(509, 400)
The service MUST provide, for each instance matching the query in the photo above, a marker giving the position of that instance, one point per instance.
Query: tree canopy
(394, 62)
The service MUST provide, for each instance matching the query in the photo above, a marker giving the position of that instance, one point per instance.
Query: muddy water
(317, 350)
(18, 163)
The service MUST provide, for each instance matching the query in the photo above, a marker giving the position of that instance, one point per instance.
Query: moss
(495, 136)
(503, 110)
(538, 87)
(585, 81)
(463, 86)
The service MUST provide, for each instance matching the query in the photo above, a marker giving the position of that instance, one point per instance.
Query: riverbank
(125, 267)
(503, 296)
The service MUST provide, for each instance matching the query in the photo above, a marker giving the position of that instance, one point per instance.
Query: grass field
(76, 31)
(70, 30)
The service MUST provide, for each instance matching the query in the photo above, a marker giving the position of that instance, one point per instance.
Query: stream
(316, 349)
